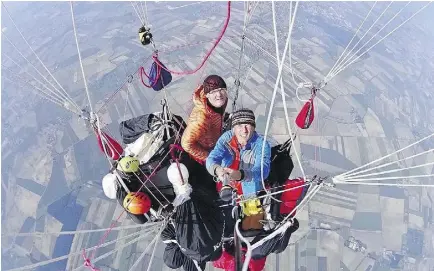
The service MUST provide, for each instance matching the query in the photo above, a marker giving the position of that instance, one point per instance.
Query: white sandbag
(144, 147)
(109, 185)
(180, 184)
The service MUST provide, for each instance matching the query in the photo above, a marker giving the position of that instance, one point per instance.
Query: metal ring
(130, 78)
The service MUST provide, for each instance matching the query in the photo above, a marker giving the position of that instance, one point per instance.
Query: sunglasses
(214, 91)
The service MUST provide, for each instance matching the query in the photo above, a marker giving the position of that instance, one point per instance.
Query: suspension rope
(384, 178)
(79, 58)
(290, 25)
(387, 171)
(383, 157)
(112, 251)
(36, 69)
(40, 61)
(145, 12)
(278, 80)
(155, 249)
(113, 95)
(34, 266)
(386, 184)
(292, 20)
(47, 97)
(271, 57)
(138, 15)
(208, 54)
(355, 35)
(373, 36)
(391, 32)
(42, 234)
(334, 69)
(56, 95)
(275, 193)
(153, 242)
(388, 164)
(247, 16)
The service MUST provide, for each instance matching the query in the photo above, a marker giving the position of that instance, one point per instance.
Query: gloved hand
(234, 175)
(219, 171)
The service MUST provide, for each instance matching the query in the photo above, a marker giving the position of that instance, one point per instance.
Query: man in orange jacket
(205, 124)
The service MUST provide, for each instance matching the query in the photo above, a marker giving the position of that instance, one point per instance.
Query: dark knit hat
(243, 116)
(213, 82)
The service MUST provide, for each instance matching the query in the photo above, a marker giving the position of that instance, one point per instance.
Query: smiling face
(243, 132)
(217, 97)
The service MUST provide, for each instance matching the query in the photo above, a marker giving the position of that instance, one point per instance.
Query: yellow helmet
(128, 164)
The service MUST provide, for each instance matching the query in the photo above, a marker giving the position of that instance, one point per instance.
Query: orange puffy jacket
(204, 128)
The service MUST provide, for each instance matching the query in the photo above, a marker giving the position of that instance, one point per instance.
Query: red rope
(87, 261)
(208, 54)
(153, 81)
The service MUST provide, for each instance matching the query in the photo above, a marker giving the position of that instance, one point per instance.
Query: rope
(274, 96)
(208, 54)
(59, 98)
(154, 241)
(153, 80)
(382, 158)
(278, 79)
(373, 36)
(140, 17)
(147, 177)
(47, 97)
(383, 178)
(145, 12)
(388, 164)
(33, 266)
(247, 16)
(388, 171)
(391, 32)
(60, 93)
(41, 234)
(355, 34)
(155, 249)
(113, 95)
(142, 186)
(243, 239)
(40, 61)
(277, 192)
(387, 184)
(79, 58)
(254, 43)
(292, 20)
(113, 251)
(283, 227)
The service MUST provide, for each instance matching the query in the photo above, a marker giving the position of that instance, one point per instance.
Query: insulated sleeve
(197, 126)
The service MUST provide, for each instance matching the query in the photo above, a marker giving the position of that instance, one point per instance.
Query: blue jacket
(250, 156)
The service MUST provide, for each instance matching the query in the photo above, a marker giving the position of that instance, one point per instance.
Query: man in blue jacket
(238, 154)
